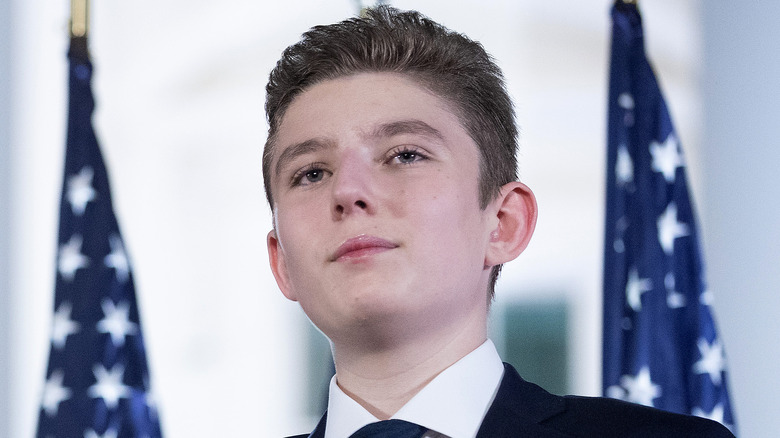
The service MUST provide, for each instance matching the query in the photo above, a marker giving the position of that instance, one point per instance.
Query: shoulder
(519, 402)
(598, 416)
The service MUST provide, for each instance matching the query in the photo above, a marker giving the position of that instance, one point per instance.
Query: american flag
(97, 382)
(661, 346)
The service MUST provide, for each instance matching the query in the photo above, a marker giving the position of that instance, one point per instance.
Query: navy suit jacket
(522, 409)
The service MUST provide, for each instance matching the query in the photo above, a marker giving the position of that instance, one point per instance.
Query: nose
(353, 188)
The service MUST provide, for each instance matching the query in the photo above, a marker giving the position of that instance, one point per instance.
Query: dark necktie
(390, 429)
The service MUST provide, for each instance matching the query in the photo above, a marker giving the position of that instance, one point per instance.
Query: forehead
(358, 104)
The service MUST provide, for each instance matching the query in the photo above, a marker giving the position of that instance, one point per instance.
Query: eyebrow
(415, 127)
(298, 149)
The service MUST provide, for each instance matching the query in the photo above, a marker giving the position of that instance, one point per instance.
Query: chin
(375, 312)
(375, 308)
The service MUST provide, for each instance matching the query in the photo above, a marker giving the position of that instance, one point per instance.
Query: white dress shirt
(452, 405)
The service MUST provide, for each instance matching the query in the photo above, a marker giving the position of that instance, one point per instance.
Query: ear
(278, 266)
(515, 209)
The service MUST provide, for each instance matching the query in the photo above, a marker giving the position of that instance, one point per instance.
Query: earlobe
(278, 267)
(516, 220)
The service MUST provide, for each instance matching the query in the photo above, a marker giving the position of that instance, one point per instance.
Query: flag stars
(712, 361)
(635, 287)
(621, 226)
(109, 385)
(54, 393)
(116, 322)
(716, 414)
(640, 388)
(626, 101)
(110, 433)
(674, 299)
(71, 259)
(117, 259)
(80, 191)
(62, 325)
(624, 166)
(666, 157)
(670, 229)
(706, 298)
(151, 403)
(616, 392)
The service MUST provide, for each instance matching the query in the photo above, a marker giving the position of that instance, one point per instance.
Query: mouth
(361, 246)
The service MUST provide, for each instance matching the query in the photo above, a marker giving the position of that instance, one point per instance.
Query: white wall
(180, 93)
(5, 212)
(741, 155)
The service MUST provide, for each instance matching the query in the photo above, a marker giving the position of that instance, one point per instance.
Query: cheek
(298, 236)
(452, 203)
(449, 220)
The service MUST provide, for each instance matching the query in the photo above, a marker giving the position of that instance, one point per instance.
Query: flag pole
(79, 18)
(79, 28)
(361, 8)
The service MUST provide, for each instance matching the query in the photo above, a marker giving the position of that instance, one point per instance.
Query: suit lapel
(519, 408)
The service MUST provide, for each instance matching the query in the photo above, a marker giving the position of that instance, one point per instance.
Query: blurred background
(180, 91)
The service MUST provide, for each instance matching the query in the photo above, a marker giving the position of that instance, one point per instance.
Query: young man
(391, 172)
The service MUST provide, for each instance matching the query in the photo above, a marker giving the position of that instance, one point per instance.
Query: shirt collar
(454, 403)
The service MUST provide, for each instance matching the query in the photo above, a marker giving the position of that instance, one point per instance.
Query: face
(377, 217)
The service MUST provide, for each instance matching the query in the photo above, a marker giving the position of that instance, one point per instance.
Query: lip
(361, 246)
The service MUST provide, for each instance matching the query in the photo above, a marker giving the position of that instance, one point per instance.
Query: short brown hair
(451, 65)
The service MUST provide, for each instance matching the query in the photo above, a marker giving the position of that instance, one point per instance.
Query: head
(448, 64)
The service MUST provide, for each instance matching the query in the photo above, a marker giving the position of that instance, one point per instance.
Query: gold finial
(79, 18)
(362, 8)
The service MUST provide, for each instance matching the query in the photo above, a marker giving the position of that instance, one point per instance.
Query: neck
(383, 379)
